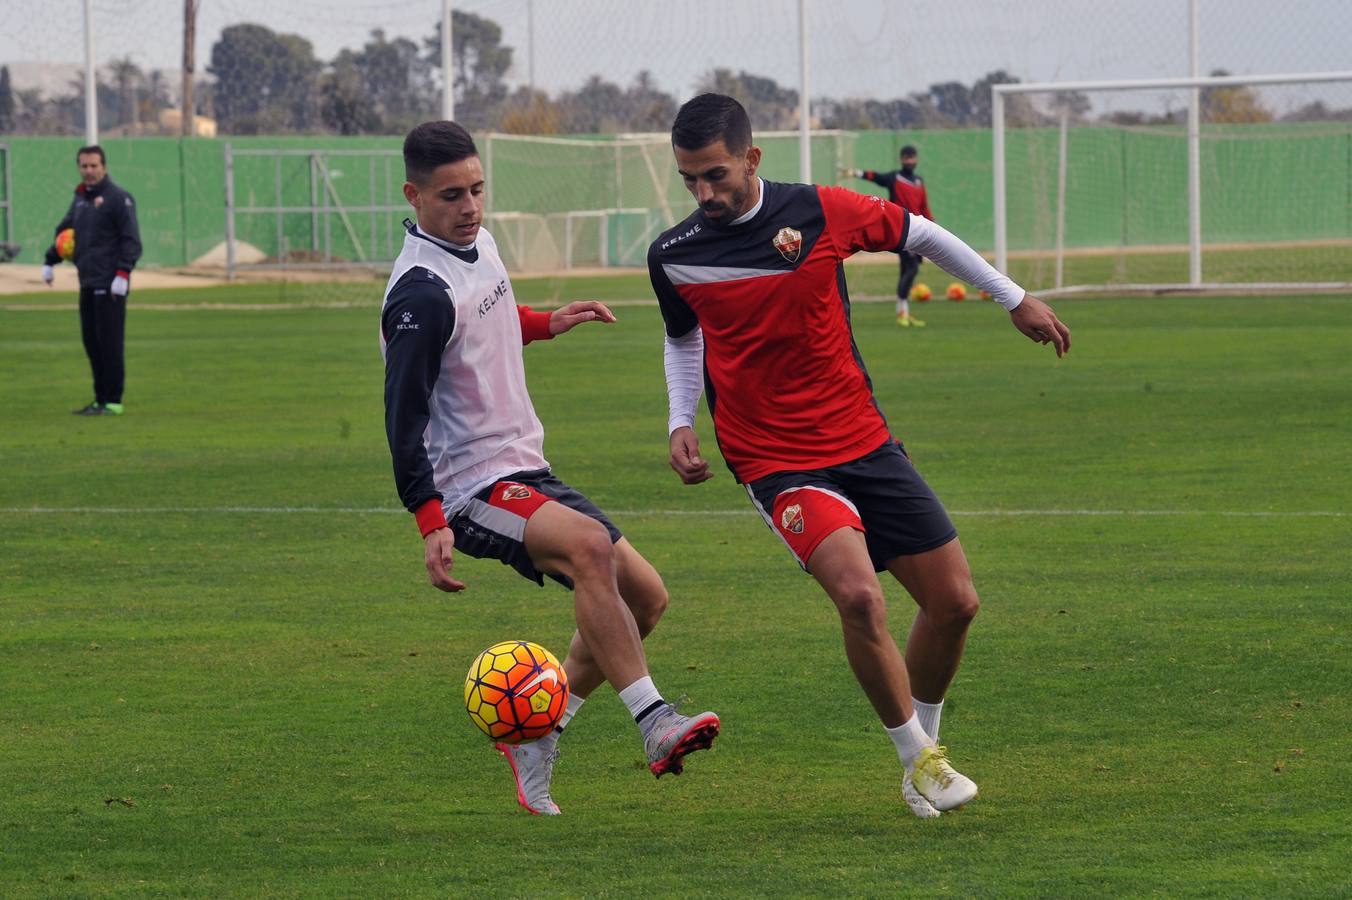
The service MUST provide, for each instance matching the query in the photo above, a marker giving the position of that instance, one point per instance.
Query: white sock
(928, 714)
(574, 704)
(642, 699)
(910, 739)
(903, 306)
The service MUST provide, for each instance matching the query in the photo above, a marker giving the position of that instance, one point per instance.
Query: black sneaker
(93, 409)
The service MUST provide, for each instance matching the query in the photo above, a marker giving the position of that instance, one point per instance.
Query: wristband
(534, 325)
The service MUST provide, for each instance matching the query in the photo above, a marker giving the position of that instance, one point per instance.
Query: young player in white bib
(468, 453)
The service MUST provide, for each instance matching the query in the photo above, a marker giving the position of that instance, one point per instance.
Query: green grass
(1154, 699)
(871, 278)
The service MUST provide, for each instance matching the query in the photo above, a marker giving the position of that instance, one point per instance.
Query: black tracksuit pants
(103, 320)
(910, 265)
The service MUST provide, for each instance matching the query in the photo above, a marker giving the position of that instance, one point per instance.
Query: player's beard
(729, 211)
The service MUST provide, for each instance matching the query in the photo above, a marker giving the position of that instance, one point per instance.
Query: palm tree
(127, 76)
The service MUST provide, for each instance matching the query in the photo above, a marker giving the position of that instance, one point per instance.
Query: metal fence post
(229, 212)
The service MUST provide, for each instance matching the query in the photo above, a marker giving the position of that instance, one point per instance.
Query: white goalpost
(1250, 198)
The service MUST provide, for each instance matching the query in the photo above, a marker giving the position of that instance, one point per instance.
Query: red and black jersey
(903, 189)
(785, 382)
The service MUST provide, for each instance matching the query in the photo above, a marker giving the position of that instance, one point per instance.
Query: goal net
(1096, 184)
(566, 203)
(553, 204)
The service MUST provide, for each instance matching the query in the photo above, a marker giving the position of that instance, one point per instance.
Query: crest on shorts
(515, 492)
(788, 242)
(792, 519)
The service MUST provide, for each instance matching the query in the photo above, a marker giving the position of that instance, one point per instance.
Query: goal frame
(1195, 281)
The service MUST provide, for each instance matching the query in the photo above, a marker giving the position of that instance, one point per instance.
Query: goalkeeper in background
(907, 190)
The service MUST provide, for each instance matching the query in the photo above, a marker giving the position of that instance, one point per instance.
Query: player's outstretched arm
(1029, 314)
(438, 546)
(1036, 319)
(685, 458)
(566, 317)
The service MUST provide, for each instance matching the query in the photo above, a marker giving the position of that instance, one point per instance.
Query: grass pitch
(222, 672)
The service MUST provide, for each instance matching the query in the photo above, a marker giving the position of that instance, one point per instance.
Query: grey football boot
(532, 767)
(673, 735)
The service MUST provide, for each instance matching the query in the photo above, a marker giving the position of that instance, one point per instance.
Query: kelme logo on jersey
(792, 519)
(788, 242)
(515, 492)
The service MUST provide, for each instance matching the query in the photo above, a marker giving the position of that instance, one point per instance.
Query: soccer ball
(957, 291)
(516, 691)
(65, 244)
(921, 293)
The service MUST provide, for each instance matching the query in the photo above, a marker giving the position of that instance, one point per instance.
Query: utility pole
(91, 89)
(189, 43)
(447, 70)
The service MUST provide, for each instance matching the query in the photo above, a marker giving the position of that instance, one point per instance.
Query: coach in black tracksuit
(107, 246)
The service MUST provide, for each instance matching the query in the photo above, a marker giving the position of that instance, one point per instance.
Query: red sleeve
(862, 222)
(924, 204)
(534, 325)
(430, 516)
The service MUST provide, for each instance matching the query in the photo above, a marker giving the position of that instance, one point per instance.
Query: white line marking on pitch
(389, 510)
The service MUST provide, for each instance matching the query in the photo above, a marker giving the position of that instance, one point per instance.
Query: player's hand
(438, 546)
(48, 274)
(575, 313)
(1036, 319)
(685, 458)
(121, 284)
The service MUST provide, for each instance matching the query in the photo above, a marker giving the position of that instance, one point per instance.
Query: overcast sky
(858, 48)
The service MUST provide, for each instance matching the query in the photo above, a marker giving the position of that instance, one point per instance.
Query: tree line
(267, 82)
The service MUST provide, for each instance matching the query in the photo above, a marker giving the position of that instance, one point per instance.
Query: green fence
(1124, 187)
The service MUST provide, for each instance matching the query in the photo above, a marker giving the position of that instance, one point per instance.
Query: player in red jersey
(753, 294)
(906, 189)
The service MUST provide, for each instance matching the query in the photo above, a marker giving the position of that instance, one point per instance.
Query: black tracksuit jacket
(107, 238)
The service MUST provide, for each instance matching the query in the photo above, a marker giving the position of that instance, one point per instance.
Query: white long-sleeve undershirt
(683, 358)
(950, 253)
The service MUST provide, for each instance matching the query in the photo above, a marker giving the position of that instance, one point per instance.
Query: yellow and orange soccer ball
(956, 291)
(65, 244)
(516, 692)
(920, 293)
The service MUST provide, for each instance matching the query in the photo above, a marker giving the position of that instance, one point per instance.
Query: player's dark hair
(909, 150)
(92, 148)
(434, 144)
(709, 118)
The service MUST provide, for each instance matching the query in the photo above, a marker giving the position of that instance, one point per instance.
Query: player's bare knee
(861, 606)
(591, 554)
(954, 608)
(649, 605)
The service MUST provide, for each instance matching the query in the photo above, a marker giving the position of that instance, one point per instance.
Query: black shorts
(880, 494)
(493, 524)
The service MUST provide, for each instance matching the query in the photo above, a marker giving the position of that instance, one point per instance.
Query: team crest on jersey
(792, 519)
(98, 201)
(515, 492)
(788, 242)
